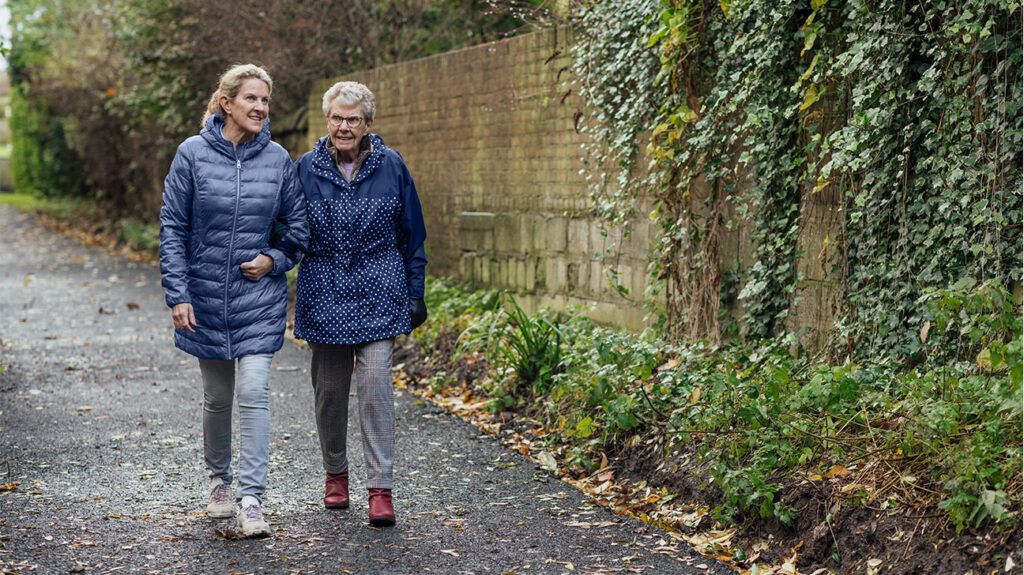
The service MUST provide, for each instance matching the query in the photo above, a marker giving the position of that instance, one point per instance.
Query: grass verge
(90, 225)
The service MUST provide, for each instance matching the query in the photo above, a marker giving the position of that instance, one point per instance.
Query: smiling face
(246, 113)
(347, 125)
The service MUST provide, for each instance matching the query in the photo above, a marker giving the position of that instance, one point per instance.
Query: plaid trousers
(333, 369)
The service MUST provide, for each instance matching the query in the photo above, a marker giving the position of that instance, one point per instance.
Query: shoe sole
(382, 521)
(336, 506)
(214, 513)
(258, 533)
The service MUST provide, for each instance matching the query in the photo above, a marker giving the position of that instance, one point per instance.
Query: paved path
(100, 425)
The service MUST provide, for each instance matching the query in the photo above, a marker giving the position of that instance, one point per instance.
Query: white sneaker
(220, 505)
(250, 522)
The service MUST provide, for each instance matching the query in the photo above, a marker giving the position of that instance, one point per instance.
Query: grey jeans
(253, 385)
(334, 368)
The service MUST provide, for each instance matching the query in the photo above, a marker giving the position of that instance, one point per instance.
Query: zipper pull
(238, 164)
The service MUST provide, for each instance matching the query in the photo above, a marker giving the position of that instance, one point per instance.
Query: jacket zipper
(231, 248)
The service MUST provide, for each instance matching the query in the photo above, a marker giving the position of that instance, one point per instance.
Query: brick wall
(488, 135)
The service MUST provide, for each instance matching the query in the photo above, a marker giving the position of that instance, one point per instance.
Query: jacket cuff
(277, 256)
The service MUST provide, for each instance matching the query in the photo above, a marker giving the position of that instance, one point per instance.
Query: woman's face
(250, 108)
(347, 126)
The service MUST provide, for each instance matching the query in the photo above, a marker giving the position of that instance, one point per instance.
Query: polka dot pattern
(352, 285)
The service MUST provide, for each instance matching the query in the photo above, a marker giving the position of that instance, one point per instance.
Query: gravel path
(100, 425)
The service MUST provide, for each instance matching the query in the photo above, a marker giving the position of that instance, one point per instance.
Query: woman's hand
(184, 318)
(418, 311)
(260, 266)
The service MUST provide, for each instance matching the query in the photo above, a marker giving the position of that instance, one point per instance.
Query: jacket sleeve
(291, 235)
(412, 234)
(175, 227)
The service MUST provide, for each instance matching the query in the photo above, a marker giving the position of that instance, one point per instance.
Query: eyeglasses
(351, 121)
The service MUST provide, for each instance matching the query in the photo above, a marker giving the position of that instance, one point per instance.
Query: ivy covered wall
(873, 146)
(730, 169)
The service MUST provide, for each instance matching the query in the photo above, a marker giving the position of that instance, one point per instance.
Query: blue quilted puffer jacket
(223, 206)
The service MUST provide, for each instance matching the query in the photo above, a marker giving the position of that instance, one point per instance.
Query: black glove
(418, 311)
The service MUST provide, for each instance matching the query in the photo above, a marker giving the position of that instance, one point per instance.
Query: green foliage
(106, 90)
(41, 161)
(531, 346)
(139, 236)
(928, 157)
(63, 209)
(758, 419)
(907, 114)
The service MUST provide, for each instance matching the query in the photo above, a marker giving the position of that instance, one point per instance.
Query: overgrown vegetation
(754, 418)
(103, 92)
(905, 116)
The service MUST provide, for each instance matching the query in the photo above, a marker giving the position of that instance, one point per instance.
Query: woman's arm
(287, 246)
(175, 226)
(412, 235)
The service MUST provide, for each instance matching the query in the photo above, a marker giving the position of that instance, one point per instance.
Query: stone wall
(489, 135)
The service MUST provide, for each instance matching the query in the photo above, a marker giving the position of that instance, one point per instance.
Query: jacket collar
(365, 147)
(212, 132)
(324, 166)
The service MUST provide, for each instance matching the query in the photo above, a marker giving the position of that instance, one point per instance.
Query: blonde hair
(230, 85)
(350, 94)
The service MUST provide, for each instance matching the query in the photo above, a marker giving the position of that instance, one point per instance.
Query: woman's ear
(224, 102)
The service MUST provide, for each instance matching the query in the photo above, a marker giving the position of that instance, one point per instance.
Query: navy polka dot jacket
(221, 207)
(366, 255)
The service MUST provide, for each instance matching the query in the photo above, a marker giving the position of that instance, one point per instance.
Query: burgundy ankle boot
(336, 491)
(382, 512)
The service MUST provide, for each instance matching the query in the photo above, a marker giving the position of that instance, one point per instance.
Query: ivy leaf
(812, 95)
(809, 39)
(810, 68)
(585, 427)
(724, 4)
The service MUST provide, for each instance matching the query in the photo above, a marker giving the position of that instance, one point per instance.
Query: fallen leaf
(9, 486)
(670, 364)
(695, 396)
(547, 461)
(132, 306)
(837, 471)
(226, 534)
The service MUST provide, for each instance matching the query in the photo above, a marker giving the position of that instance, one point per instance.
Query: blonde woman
(229, 188)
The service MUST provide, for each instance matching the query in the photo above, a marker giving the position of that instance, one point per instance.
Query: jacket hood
(212, 133)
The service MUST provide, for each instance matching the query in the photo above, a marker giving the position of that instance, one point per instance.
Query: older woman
(223, 270)
(360, 285)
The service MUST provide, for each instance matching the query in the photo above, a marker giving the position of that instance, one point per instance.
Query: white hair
(350, 94)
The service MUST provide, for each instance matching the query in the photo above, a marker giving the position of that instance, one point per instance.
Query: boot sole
(382, 521)
(336, 506)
